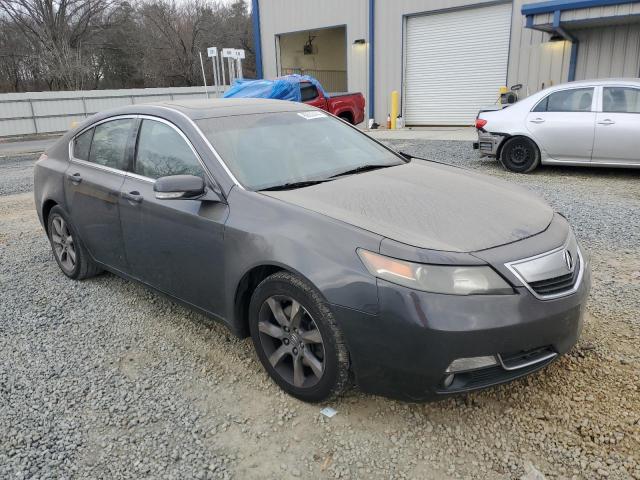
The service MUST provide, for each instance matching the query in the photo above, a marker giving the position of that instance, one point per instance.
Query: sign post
(234, 58)
(212, 53)
(229, 54)
(204, 79)
(239, 57)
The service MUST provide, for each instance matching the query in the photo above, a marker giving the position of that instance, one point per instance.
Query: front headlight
(454, 280)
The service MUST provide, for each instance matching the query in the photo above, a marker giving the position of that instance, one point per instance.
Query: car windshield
(292, 149)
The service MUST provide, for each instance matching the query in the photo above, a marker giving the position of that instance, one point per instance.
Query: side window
(308, 92)
(81, 145)
(621, 100)
(162, 151)
(109, 145)
(574, 100)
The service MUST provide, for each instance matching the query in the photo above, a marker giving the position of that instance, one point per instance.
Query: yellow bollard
(394, 108)
(501, 92)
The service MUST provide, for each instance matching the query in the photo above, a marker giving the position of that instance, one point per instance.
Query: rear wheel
(520, 155)
(347, 118)
(70, 254)
(297, 339)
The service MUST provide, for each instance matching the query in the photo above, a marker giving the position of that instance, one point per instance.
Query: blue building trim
(257, 40)
(529, 21)
(372, 41)
(573, 61)
(561, 5)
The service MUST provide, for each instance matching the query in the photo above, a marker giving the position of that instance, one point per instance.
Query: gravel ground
(16, 174)
(104, 379)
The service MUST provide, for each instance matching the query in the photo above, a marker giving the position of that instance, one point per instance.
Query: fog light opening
(448, 380)
(471, 363)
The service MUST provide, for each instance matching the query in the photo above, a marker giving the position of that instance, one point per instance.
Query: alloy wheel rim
(291, 341)
(63, 245)
(519, 154)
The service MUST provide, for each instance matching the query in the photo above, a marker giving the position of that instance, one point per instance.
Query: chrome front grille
(552, 274)
(555, 285)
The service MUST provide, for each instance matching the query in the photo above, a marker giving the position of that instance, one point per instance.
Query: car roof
(226, 107)
(598, 82)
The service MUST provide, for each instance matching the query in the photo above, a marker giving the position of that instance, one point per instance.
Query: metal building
(446, 58)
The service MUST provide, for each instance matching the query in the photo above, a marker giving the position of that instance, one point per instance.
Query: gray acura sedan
(343, 260)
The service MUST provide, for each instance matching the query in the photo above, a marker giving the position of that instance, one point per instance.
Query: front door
(617, 136)
(563, 124)
(93, 180)
(175, 246)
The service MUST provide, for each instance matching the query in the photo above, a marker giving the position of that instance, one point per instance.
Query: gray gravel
(17, 174)
(103, 379)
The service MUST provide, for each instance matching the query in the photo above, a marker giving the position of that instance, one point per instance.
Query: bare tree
(58, 28)
(80, 44)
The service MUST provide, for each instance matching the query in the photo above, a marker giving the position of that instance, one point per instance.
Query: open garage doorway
(321, 53)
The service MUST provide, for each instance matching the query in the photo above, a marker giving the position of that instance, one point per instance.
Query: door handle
(76, 178)
(537, 120)
(132, 196)
(607, 121)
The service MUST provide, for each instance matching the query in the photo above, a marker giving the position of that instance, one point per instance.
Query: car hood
(428, 205)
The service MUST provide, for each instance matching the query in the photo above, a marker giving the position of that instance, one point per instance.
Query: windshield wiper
(360, 169)
(410, 156)
(292, 185)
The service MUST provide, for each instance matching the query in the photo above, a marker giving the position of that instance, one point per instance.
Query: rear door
(563, 124)
(617, 132)
(99, 157)
(175, 246)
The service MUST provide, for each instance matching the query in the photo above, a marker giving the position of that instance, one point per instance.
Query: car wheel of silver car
(520, 155)
(68, 250)
(297, 339)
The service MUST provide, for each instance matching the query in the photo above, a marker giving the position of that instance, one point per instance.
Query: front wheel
(296, 338)
(520, 155)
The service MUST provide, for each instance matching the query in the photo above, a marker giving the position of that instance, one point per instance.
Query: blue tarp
(282, 88)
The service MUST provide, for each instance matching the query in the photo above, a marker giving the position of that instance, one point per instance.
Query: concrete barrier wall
(50, 112)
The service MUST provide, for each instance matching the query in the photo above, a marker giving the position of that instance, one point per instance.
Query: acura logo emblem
(568, 259)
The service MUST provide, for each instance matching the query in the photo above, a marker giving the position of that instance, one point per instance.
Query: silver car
(595, 122)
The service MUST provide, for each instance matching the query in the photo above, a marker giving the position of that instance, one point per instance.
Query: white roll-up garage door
(455, 63)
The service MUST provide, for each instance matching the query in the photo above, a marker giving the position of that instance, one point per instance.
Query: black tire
(315, 317)
(78, 266)
(520, 155)
(347, 118)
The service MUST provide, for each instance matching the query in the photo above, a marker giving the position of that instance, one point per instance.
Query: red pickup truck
(348, 106)
(302, 88)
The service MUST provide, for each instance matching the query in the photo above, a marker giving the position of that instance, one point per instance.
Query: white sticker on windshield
(311, 115)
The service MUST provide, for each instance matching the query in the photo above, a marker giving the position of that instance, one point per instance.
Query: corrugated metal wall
(47, 112)
(613, 51)
(599, 12)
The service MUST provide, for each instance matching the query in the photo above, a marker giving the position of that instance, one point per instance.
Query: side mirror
(175, 187)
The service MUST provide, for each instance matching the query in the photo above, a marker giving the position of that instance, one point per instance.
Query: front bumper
(404, 350)
(488, 143)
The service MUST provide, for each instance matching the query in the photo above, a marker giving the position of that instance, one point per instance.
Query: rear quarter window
(82, 144)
